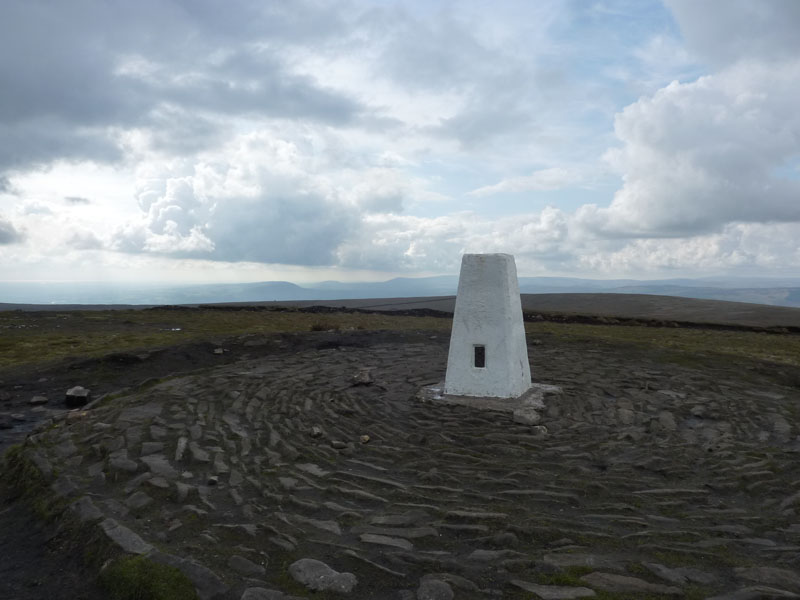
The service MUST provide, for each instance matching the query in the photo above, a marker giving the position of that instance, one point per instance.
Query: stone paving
(324, 470)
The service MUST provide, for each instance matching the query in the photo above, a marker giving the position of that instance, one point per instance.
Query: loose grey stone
(138, 501)
(158, 482)
(159, 465)
(526, 416)
(124, 537)
(65, 449)
(38, 400)
(205, 581)
(141, 413)
(554, 592)
(180, 448)
(383, 540)
(667, 420)
(152, 448)
(318, 576)
(581, 560)
(64, 486)
(86, 510)
(198, 454)
(611, 582)
(259, 593)
(136, 482)
(158, 433)
(244, 566)
(123, 464)
(434, 589)
(756, 592)
(76, 396)
(783, 578)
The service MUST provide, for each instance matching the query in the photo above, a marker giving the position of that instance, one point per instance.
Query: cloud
(85, 240)
(78, 77)
(8, 233)
(76, 200)
(545, 179)
(260, 198)
(726, 31)
(699, 155)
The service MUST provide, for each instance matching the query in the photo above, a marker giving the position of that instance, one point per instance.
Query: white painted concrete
(488, 313)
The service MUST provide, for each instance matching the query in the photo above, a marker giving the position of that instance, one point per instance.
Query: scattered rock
(126, 539)
(526, 416)
(318, 576)
(259, 593)
(338, 445)
(757, 592)
(86, 510)
(623, 584)
(364, 439)
(363, 377)
(553, 592)
(315, 431)
(245, 567)
(385, 540)
(431, 588)
(783, 578)
(205, 581)
(138, 501)
(38, 400)
(77, 396)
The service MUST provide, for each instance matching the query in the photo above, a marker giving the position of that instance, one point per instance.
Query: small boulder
(526, 416)
(431, 588)
(37, 400)
(77, 396)
(318, 576)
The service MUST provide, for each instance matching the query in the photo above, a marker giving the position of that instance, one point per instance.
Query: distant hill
(776, 292)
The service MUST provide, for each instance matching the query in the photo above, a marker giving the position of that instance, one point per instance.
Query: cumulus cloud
(698, 155)
(8, 233)
(76, 200)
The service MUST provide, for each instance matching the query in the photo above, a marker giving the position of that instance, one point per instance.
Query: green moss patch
(138, 578)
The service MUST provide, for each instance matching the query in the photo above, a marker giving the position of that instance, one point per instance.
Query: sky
(305, 140)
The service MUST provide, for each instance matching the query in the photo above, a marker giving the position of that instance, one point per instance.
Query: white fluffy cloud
(698, 155)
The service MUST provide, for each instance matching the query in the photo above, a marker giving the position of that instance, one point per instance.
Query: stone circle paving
(324, 471)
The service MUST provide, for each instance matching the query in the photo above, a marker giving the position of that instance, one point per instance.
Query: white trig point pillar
(488, 353)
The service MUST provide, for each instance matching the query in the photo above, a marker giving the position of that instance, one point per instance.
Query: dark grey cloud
(75, 73)
(8, 233)
(302, 229)
(725, 31)
(76, 200)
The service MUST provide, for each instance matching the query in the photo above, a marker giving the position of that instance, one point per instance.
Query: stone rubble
(638, 477)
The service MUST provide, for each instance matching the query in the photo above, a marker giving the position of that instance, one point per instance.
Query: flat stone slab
(526, 404)
(554, 592)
